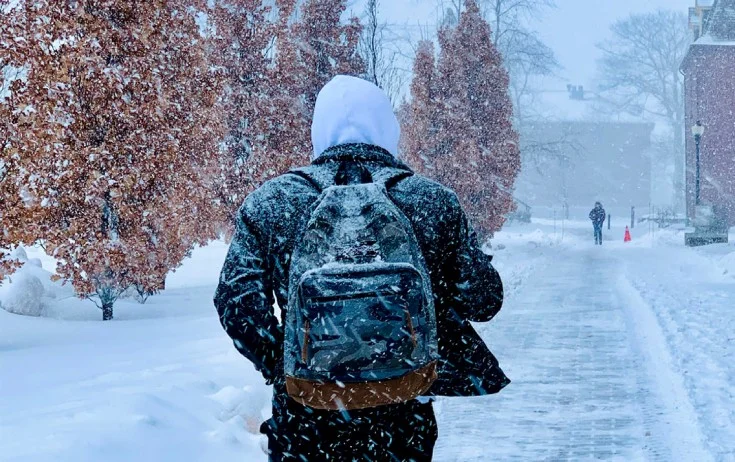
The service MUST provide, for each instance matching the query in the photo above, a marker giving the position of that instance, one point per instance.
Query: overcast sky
(572, 29)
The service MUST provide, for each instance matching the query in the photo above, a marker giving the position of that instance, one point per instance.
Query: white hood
(352, 110)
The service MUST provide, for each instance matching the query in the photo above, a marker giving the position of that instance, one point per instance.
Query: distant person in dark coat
(597, 215)
(354, 124)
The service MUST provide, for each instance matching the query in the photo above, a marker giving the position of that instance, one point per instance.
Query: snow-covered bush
(29, 290)
(25, 295)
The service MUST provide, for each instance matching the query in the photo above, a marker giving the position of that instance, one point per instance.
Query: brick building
(586, 156)
(709, 70)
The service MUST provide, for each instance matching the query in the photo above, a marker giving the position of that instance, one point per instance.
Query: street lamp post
(697, 131)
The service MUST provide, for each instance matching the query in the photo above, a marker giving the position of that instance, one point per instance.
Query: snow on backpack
(360, 328)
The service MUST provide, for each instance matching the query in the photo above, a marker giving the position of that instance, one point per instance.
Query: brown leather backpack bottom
(351, 396)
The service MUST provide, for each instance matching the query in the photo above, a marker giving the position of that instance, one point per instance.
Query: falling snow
(144, 158)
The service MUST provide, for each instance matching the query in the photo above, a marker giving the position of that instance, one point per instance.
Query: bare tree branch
(640, 73)
(379, 57)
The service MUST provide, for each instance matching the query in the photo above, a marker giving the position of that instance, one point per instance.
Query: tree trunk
(107, 311)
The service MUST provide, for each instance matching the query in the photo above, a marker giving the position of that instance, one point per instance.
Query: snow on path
(693, 302)
(581, 388)
(677, 416)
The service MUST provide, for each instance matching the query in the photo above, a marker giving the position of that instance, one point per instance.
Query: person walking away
(598, 215)
(378, 275)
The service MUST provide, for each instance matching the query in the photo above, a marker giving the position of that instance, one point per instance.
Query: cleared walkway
(582, 386)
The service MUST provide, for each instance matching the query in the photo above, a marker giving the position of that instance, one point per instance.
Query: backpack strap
(323, 176)
(390, 176)
(320, 178)
(301, 173)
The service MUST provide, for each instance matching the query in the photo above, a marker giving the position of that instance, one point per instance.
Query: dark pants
(598, 234)
(396, 433)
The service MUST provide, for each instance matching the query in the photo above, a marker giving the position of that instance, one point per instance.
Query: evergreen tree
(420, 118)
(474, 148)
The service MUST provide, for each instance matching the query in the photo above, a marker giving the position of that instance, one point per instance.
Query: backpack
(360, 328)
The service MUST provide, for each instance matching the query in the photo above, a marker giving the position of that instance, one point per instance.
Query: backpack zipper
(305, 349)
(409, 321)
(355, 296)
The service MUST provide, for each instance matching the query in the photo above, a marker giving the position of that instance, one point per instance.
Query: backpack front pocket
(365, 324)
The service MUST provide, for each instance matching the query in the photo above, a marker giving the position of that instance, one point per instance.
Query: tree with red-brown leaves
(241, 34)
(420, 118)
(281, 59)
(310, 51)
(113, 135)
(9, 193)
(319, 47)
(472, 146)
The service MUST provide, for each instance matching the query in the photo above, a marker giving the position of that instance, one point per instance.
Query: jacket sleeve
(244, 299)
(478, 288)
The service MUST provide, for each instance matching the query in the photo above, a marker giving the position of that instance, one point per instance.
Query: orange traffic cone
(627, 235)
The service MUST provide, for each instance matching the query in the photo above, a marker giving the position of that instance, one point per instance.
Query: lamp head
(698, 129)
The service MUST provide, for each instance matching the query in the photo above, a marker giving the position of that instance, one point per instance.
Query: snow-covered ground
(620, 352)
(160, 383)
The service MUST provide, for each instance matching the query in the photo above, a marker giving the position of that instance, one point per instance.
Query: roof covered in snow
(709, 40)
(557, 105)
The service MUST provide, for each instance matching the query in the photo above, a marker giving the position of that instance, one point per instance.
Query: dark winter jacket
(598, 215)
(465, 284)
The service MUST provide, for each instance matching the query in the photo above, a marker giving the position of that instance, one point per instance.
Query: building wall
(710, 98)
(604, 161)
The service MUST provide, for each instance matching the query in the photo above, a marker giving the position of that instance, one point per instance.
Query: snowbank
(150, 390)
(162, 382)
(722, 258)
(728, 264)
